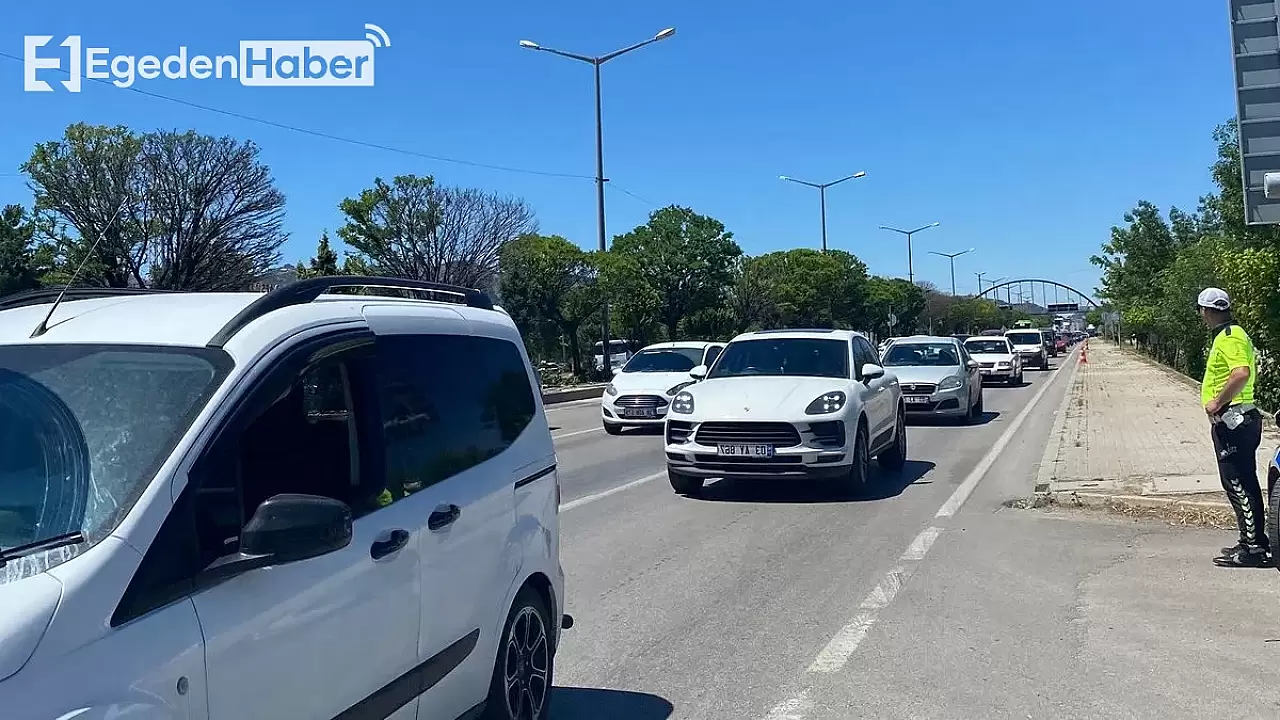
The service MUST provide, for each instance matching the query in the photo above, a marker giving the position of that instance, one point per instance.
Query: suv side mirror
(699, 372)
(285, 529)
(871, 371)
(972, 364)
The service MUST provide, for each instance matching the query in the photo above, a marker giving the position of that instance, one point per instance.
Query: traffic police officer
(1236, 426)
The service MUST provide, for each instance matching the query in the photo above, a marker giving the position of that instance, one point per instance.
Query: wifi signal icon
(377, 36)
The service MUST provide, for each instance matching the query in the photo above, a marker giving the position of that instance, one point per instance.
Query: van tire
(530, 608)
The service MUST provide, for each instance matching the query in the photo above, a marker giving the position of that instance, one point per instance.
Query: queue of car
(806, 404)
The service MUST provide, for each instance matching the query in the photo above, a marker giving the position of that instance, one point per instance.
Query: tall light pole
(822, 195)
(980, 281)
(596, 62)
(952, 257)
(911, 277)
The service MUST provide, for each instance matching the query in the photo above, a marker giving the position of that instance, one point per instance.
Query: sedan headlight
(950, 383)
(1003, 364)
(678, 388)
(683, 403)
(610, 389)
(826, 403)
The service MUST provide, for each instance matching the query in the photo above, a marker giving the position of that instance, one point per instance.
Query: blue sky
(1025, 129)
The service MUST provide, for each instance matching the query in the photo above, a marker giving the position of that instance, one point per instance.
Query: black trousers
(1238, 467)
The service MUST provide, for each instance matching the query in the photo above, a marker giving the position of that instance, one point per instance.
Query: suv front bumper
(817, 456)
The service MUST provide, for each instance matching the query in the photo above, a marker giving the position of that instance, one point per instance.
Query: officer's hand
(1213, 407)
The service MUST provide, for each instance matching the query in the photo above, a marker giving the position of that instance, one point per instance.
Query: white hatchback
(244, 506)
(640, 393)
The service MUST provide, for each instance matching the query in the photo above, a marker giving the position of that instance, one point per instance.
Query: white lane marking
(793, 709)
(565, 507)
(837, 652)
(562, 436)
(952, 505)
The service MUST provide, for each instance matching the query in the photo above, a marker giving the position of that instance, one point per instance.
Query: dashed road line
(837, 652)
(565, 507)
(562, 436)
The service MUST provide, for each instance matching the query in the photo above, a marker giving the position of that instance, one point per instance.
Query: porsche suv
(787, 405)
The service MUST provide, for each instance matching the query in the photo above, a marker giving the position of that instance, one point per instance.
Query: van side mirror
(699, 372)
(871, 371)
(285, 529)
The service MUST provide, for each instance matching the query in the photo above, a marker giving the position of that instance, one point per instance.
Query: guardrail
(551, 396)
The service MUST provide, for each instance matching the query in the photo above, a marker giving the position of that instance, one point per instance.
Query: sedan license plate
(758, 451)
(916, 400)
(639, 413)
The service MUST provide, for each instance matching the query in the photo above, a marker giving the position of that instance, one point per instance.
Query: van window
(83, 430)
(448, 403)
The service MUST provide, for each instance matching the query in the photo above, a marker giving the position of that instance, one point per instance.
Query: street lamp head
(933, 224)
(664, 34)
(860, 173)
(530, 44)
(783, 177)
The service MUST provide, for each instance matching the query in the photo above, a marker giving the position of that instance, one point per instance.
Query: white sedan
(641, 391)
(996, 358)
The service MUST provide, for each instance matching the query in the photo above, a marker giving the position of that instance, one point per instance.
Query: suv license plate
(916, 400)
(759, 451)
(639, 413)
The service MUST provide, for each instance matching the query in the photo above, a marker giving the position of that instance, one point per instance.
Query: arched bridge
(1053, 296)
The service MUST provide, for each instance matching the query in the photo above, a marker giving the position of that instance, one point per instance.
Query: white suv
(787, 404)
(238, 506)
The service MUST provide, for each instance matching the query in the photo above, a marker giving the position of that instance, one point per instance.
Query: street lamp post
(980, 281)
(596, 62)
(822, 196)
(952, 257)
(911, 277)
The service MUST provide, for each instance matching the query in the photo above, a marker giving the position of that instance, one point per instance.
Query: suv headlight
(826, 403)
(950, 383)
(610, 389)
(683, 403)
(678, 388)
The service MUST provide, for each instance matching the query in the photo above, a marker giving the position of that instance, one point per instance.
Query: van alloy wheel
(526, 665)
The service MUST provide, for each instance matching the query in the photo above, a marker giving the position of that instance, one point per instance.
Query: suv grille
(919, 388)
(639, 401)
(776, 434)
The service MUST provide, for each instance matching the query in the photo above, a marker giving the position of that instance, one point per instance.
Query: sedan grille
(987, 365)
(919, 388)
(639, 401)
(761, 433)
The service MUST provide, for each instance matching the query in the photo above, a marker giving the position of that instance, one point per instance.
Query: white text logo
(264, 63)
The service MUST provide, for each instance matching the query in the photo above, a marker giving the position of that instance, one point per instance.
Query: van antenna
(43, 327)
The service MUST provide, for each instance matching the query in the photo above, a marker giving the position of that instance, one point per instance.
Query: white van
(238, 506)
(1028, 343)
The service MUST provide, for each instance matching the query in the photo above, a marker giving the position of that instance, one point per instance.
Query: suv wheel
(895, 456)
(524, 670)
(684, 484)
(860, 469)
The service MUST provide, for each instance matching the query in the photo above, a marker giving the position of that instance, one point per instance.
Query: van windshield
(83, 430)
(1025, 338)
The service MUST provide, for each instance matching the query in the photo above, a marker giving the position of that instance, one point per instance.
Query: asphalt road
(925, 599)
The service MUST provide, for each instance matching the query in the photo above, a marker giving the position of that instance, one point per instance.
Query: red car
(1060, 343)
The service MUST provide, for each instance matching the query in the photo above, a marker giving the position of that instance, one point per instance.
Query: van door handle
(393, 541)
(443, 517)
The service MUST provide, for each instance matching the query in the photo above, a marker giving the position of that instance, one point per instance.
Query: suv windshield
(83, 429)
(664, 360)
(1025, 338)
(801, 357)
(994, 347)
(922, 354)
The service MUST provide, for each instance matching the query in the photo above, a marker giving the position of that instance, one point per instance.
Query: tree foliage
(1154, 266)
(414, 228)
(169, 210)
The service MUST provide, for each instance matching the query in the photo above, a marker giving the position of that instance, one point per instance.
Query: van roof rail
(44, 296)
(302, 292)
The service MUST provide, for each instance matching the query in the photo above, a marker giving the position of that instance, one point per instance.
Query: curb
(1143, 501)
(1173, 511)
(1048, 467)
(552, 397)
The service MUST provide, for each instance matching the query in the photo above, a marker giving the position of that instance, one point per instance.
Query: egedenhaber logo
(260, 63)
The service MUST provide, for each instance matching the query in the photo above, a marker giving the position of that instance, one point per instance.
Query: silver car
(937, 376)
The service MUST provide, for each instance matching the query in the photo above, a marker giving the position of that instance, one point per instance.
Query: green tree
(684, 258)
(19, 256)
(810, 288)
(324, 263)
(546, 279)
(895, 296)
(414, 228)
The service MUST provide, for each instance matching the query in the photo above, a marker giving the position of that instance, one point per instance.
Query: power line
(328, 136)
